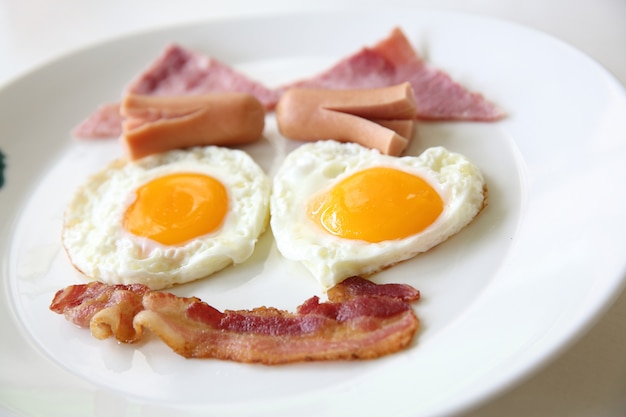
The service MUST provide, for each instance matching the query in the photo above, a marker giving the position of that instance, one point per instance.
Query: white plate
(499, 299)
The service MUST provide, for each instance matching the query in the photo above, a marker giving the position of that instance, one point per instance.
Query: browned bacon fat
(108, 310)
(154, 124)
(378, 118)
(361, 320)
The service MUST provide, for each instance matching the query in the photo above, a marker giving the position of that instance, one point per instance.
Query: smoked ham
(360, 320)
(177, 71)
(393, 60)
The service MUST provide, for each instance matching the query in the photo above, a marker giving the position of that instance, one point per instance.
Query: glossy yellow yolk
(178, 207)
(377, 204)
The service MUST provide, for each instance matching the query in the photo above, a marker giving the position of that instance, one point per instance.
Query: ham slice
(361, 320)
(177, 71)
(393, 60)
(180, 71)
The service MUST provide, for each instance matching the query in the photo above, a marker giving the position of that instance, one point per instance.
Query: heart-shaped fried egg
(344, 210)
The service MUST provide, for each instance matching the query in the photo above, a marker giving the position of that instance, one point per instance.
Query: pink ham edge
(104, 123)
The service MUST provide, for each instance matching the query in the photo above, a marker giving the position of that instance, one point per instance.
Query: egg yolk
(176, 208)
(377, 204)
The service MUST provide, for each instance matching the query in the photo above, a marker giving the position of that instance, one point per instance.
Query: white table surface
(588, 378)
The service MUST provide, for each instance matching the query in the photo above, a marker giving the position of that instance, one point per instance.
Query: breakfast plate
(499, 299)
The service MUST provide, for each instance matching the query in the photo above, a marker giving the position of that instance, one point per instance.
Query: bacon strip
(361, 320)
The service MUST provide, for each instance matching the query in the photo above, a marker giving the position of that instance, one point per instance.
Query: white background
(589, 377)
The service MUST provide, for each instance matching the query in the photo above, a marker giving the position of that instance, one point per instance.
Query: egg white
(318, 166)
(99, 246)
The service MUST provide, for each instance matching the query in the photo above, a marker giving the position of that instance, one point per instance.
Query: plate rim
(619, 284)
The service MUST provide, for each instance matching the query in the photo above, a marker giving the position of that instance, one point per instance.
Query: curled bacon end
(361, 320)
(107, 310)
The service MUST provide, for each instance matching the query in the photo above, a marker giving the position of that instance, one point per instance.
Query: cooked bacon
(393, 60)
(108, 310)
(359, 327)
(361, 320)
(354, 287)
(177, 71)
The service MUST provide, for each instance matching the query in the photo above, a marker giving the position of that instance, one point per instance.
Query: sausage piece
(379, 118)
(156, 124)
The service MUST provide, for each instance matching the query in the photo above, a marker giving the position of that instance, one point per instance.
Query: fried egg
(344, 210)
(167, 218)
